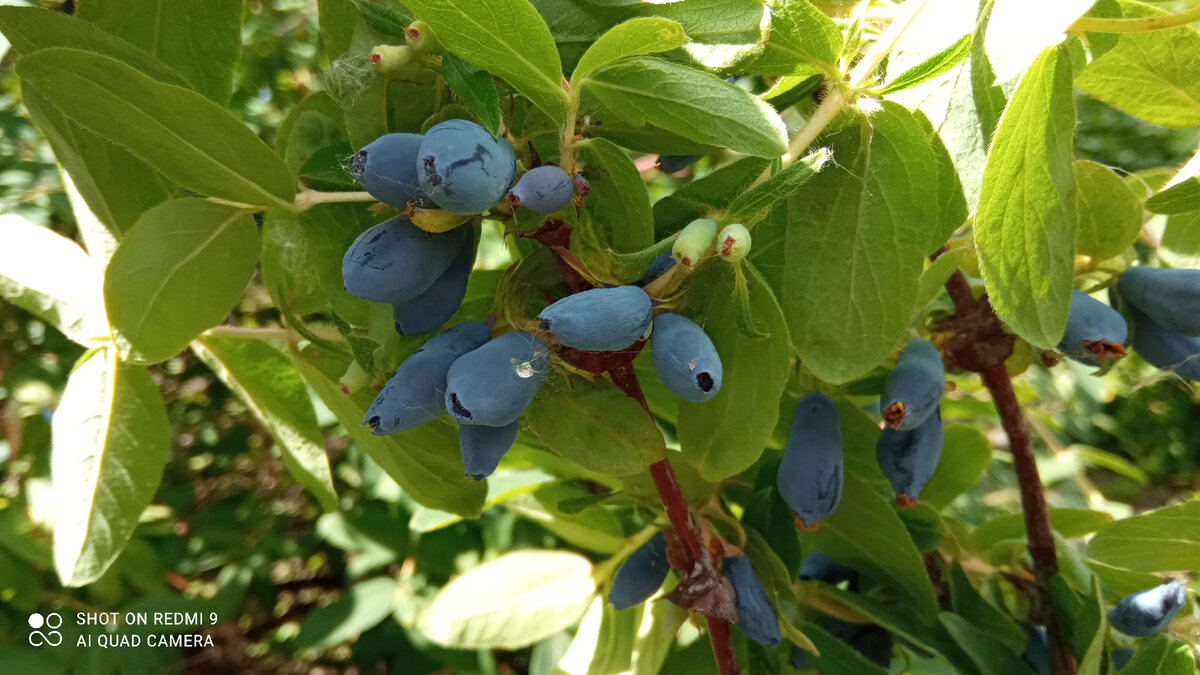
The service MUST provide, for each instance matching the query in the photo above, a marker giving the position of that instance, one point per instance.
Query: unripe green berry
(734, 242)
(421, 37)
(391, 59)
(694, 241)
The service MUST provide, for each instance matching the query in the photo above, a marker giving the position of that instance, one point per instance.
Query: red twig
(722, 644)
(981, 346)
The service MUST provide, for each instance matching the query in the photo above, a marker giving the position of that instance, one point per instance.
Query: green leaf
(646, 35)
(643, 90)
(865, 532)
(179, 271)
(201, 41)
(1069, 522)
(802, 37)
(117, 186)
(715, 190)
(191, 140)
(965, 458)
(382, 17)
(1163, 539)
(660, 621)
(1025, 225)
(618, 202)
(604, 642)
(577, 418)
(835, 655)
(1160, 655)
(1089, 635)
(726, 434)
(968, 602)
(1181, 197)
(34, 262)
(504, 37)
(505, 486)
(424, 462)
(990, 655)
(475, 88)
(934, 278)
(337, 19)
(857, 237)
(1109, 213)
(1180, 245)
(110, 445)
(30, 29)
(302, 258)
(511, 602)
(930, 68)
(1154, 75)
(593, 529)
(357, 609)
(753, 205)
(986, 94)
(268, 384)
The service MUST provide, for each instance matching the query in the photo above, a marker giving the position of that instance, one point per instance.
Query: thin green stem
(306, 199)
(240, 205)
(1095, 24)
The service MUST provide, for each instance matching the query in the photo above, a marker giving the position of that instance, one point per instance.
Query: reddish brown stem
(677, 508)
(978, 313)
(722, 644)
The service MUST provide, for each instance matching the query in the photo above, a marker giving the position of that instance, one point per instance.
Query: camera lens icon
(52, 637)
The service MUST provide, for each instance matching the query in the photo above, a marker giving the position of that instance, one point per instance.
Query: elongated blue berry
(439, 302)
(396, 261)
(600, 319)
(755, 613)
(1121, 657)
(1148, 611)
(387, 168)
(909, 457)
(641, 574)
(658, 267)
(810, 474)
(1164, 348)
(685, 358)
(492, 384)
(1169, 296)
(416, 393)
(914, 387)
(482, 447)
(1094, 332)
(544, 189)
(463, 168)
(819, 566)
(1037, 650)
(675, 163)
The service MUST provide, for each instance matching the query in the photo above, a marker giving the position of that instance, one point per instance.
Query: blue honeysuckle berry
(1165, 349)
(416, 392)
(1094, 331)
(914, 388)
(493, 384)
(810, 473)
(755, 613)
(439, 302)
(675, 163)
(909, 457)
(395, 261)
(599, 319)
(685, 358)
(387, 168)
(483, 447)
(544, 189)
(1171, 297)
(641, 574)
(1148, 611)
(463, 168)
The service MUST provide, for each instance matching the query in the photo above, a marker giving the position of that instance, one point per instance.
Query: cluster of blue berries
(1165, 307)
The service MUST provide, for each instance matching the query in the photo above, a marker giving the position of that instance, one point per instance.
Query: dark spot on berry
(358, 163)
(458, 407)
(477, 476)
(374, 423)
(705, 382)
(544, 324)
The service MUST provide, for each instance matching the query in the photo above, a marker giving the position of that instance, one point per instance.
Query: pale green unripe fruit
(391, 59)
(421, 37)
(693, 241)
(734, 242)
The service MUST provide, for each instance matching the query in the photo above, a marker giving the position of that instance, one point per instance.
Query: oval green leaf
(179, 271)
